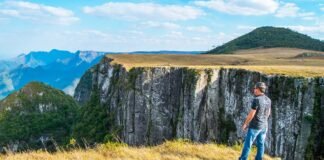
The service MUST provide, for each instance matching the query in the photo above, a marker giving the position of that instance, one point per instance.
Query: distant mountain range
(57, 68)
(269, 37)
(167, 52)
(60, 69)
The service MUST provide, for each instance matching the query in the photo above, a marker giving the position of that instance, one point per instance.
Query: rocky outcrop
(150, 105)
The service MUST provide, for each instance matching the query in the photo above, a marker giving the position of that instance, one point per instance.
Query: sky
(146, 25)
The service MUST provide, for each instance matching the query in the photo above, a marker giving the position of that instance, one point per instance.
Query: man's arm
(269, 112)
(248, 119)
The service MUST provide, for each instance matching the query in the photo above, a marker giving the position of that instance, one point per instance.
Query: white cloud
(70, 39)
(246, 27)
(144, 11)
(134, 32)
(117, 41)
(241, 7)
(6, 82)
(163, 25)
(96, 33)
(183, 41)
(321, 7)
(9, 12)
(203, 29)
(287, 10)
(292, 10)
(70, 89)
(173, 34)
(173, 26)
(307, 15)
(37, 12)
(307, 29)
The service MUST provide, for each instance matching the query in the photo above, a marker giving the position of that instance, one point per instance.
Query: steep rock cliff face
(154, 104)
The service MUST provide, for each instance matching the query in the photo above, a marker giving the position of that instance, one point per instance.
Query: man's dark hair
(261, 85)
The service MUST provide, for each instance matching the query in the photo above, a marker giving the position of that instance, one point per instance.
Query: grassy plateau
(284, 61)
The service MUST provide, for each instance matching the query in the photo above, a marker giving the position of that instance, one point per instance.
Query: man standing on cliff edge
(258, 116)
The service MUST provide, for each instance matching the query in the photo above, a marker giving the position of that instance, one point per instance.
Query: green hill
(270, 37)
(37, 116)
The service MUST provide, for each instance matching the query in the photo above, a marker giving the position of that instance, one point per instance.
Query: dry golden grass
(170, 150)
(292, 71)
(268, 61)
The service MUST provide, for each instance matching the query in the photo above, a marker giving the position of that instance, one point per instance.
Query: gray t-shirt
(262, 105)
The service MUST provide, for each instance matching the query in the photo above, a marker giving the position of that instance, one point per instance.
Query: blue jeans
(252, 134)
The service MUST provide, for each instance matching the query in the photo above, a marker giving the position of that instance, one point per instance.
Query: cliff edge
(191, 99)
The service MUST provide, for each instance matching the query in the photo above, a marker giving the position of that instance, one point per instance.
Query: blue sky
(131, 25)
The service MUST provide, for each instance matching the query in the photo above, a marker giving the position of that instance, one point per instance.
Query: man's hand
(244, 127)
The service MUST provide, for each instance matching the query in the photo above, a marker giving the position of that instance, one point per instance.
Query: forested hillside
(269, 37)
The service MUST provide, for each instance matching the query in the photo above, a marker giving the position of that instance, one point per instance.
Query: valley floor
(170, 150)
